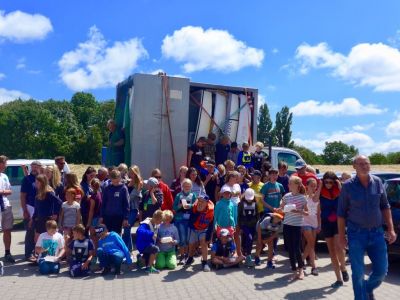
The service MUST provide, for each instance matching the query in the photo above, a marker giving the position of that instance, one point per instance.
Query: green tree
(308, 155)
(338, 153)
(282, 130)
(378, 159)
(85, 108)
(393, 158)
(264, 128)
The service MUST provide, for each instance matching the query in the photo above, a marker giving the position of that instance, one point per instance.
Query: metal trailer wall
(151, 145)
(149, 138)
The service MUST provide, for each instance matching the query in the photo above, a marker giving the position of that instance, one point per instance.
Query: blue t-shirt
(28, 187)
(273, 194)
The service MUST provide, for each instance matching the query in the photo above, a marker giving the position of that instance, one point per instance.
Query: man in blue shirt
(363, 207)
(27, 198)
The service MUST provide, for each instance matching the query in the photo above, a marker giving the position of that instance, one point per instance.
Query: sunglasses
(328, 181)
(157, 177)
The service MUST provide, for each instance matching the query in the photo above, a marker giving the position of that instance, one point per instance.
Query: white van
(15, 173)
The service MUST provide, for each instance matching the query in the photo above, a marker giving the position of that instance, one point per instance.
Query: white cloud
(389, 146)
(376, 65)
(21, 63)
(10, 95)
(94, 65)
(211, 49)
(2, 76)
(275, 51)
(19, 26)
(348, 107)
(393, 128)
(364, 127)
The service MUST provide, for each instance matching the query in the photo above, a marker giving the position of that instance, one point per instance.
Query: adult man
(102, 175)
(209, 147)
(116, 139)
(168, 200)
(196, 153)
(222, 150)
(301, 168)
(60, 163)
(363, 207)
(7, 218)
(27, 198)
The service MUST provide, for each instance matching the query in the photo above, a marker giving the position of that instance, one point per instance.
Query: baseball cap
(152, 181)
(256, 173)
(100, 229)
(36, 163)
(249, 194)
(210, 162)
(204, 197)
(225, 189)
(277, 215)
(224, 232)
(300, 164)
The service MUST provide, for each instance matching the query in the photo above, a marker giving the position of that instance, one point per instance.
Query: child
(259, 156)
(70, 215)
(182, 205)
(152, 199)
(267, 232)
(95, 201)
(111, 251)
(294, 205)
(225, 212)
(222, 251)
(81, 250)
(312, 222)
(50, 247)
(167, 240)
(283, 177)
(146, 237)
(247, 219)
(234, 152)
(245, 158)
(272, 192)
(201, 217)
(344, 177)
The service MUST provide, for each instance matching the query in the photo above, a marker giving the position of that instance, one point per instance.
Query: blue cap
(204, 196)
(300, 163)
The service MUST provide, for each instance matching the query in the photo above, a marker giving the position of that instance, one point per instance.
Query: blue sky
(336, 64)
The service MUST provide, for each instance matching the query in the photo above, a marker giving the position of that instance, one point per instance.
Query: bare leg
(7, 239)
(340, 254)
(334, 259)
(310, 244)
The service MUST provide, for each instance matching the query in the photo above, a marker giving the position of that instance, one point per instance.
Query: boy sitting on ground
(222, 251)
(167, 240)
(50, 247)
(81, 251)
(111, 250)
(267, 230)
(201, 217)
(146, 237)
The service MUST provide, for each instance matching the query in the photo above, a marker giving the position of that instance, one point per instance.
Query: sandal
(337, 284)
(345, 276)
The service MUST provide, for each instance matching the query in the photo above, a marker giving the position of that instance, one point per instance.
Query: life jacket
(249, 210)
(246, 158)
(199, 220)
(188, 198)
(224, 250)
(80, 250)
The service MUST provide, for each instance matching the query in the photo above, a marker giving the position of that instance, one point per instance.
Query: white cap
(249, 194)
(226, 188)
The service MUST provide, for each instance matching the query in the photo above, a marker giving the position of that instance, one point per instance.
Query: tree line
(45, 129)
(334, 153)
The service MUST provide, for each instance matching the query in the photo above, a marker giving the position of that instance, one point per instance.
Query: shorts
(196, 235)
(40, 224)
(329, 229)
(266, 234)
(7, 219)
(149, 250)
(309, 228)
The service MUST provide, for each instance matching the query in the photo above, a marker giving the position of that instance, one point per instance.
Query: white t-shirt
(53, 244)
(5, 185)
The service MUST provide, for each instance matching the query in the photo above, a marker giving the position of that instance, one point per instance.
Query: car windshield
(15, 174)
(393, 192)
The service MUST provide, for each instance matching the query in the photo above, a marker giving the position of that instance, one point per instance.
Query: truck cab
(283, 154)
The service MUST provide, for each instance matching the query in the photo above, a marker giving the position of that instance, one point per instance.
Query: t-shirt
(197, 157)
(225, 250)
(28, 187)
(284, 180)
(147, 207)
(5, 185)
(305, 177)
(52, 243)
(70, 212)
(267, 224)
(81, 249)
(291, 218)
(311, 219)
(273, 194)
(209, 151)
(256, 187)
(167, 231)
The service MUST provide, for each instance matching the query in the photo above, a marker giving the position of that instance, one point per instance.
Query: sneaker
(345, 276)
(181, 260)
(189, 261)
(152, 270)
(270, 265)
(1, 268)
(9, 258)
(206, 267)
(257, 261)
(314, 271)
(337, 284)
(139, 261)
(249, 261)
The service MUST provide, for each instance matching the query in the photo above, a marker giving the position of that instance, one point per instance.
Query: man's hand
(391, 236)
(125, 223)
(27, 216)
(85, 265)
(342, 241)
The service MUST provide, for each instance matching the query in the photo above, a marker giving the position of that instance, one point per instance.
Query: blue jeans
(46, 267)
(126, 234)
(373, 243)
(110, 259)
(183, 232)
(248, 235)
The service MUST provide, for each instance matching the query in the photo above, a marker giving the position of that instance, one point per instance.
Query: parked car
(384, 176)
(15, 172)
(393, 193)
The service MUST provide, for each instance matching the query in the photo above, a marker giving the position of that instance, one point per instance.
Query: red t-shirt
(168, 201)
(306, 176)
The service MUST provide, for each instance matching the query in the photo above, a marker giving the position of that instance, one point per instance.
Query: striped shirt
(294, 219)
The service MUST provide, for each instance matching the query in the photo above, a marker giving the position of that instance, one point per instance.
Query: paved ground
(21, 281)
